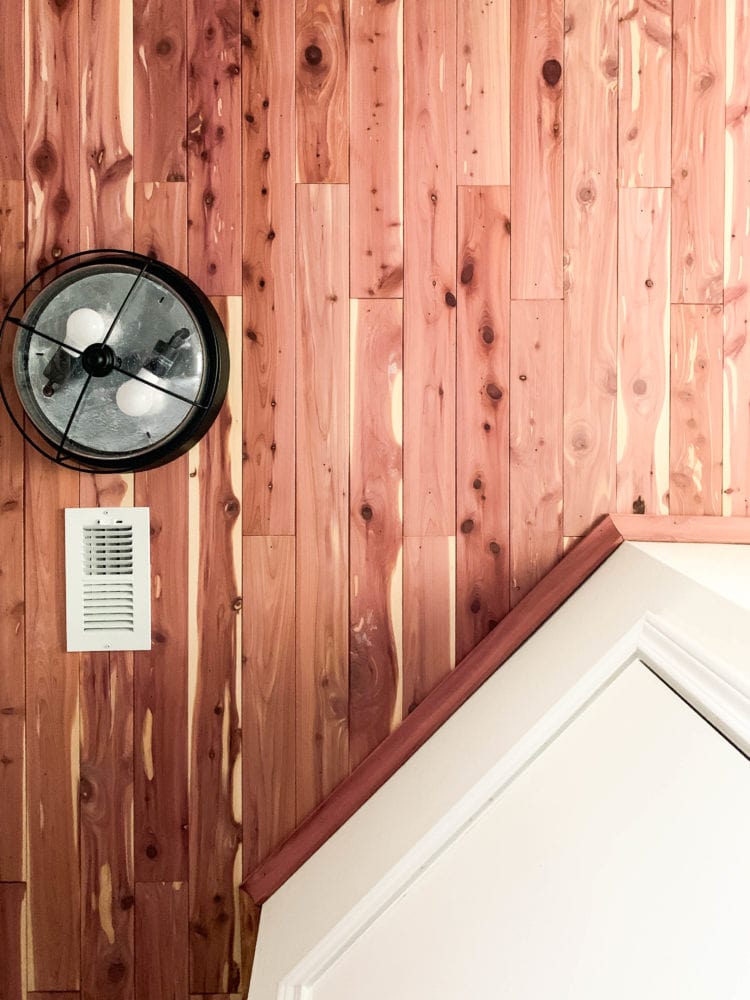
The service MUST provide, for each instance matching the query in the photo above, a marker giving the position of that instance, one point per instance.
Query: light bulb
(84, 327)
(136, 399)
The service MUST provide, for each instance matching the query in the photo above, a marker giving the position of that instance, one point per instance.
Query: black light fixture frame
(204, 408)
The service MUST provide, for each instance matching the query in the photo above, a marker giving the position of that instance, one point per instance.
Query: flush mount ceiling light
(117, 362)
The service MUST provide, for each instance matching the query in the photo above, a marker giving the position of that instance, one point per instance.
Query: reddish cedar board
(160, 222)
(429, 613)
(375, 569)
(214, 145)
(736, 299)
(268, 288)
(698, 151)
(12, 683)
(582, 560)
(643, 342)
(322, 61)
(702, 528)
(536, 407)
(375, 151)
(645, 94)
(161, 936)
(483, 92)
(268, 730)
(536, 147)
(590, 269)
(322, 663)
(430, 274)
(106, 804)
(695, 417)
(11, 93)
(159, 68)
(12, 920)
(482, 410)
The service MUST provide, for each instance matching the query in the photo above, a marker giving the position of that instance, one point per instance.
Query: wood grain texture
(715, 530)
(536, 146)
(161, 936)
(13, 940)
(645, 93)
(698, 151)
(214, 145)
(582, 560)
(535, 443)
(482, 410)
(159, 68)
(58, 995)
(695, 418)
(590, 270)
(429, 615)
(106, 796)
(11, 93)
(322, 494)
(215, 690)
(268, 268)
(268, 731)
(322, 60)
(376, 151)
(430, 268)
(52, 762)
(160, 222)
(375, 571)
(644, 346)
(160, 699)
(737, 258)
(52, 132)
(12, 649)
(106, 124)
(483, 90)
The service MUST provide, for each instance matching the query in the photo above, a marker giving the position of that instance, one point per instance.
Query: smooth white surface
(362, 869)
(725, 569)
(615, 866)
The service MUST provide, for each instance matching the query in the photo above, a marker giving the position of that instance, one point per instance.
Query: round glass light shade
(119, 362)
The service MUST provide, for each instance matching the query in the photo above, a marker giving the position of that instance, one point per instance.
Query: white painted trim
(711, 686)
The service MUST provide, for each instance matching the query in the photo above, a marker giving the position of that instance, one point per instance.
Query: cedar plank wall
(483, 269)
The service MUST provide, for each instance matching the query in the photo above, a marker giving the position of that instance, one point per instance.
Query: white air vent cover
(108, 577)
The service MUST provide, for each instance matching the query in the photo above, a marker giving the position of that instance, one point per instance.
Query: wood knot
(639, 506)
(639, 387)
(488, 334)
(151, 851)
(552, 71)
(649, 283)
(163, 47)
(366, 513)
(467, 272)
(208, 199)
(116, 972)
(450, 299)
(586, 194)
(127, 902)
(477, 484)
(45, 159)
(237, 604)
(467, 526)
(313, 55)
(232, 507)
(494, 391)
(706, 82)
(476, 606)
(494, 548)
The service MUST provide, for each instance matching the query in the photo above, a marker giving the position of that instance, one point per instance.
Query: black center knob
(98, 360)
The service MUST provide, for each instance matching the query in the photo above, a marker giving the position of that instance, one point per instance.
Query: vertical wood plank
(377, 183)
(11, 93)
(215, 690)
(695, 442)
(590, 272)
(483, 49)
(160, 222)
(52, 740)
(482, 414)
(536, 160)
(52, 132)
(322, 91)
(106, 124)
(214, 145)
(737, 258)
(159, 68)
(645, 93)
(268, 730)
(161, 937)
(429, 615)
(375, 640)
(12, 683)
(430, 273)
(106, 793)
(643, 362)
(268, 268)
(322, 493)
(536, 408)
(698, 151)
(13, 940)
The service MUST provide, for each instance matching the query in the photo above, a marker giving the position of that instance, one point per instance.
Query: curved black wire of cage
(112, 361)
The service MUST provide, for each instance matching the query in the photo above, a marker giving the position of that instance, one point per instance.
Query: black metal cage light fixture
(111, 361)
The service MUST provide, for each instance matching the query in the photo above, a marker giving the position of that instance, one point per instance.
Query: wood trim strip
(436, 708)
(683, 528)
